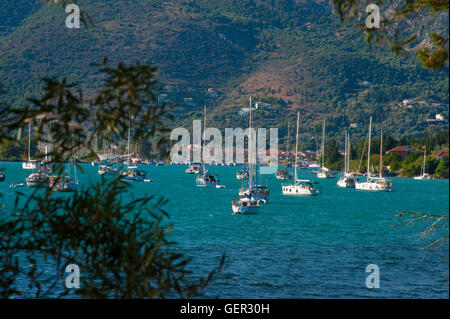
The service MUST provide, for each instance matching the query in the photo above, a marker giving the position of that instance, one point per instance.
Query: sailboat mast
(323, 145)
(128, 143)
(47, 137)
(203, 136)
(381, 154)
(296, 146)
(288, 150)
(348, 152)
(29, 141)
(250, 164)
(368, 149)
(345, 152)
(424, 161)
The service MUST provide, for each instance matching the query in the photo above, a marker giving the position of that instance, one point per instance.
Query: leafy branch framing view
(119, 243)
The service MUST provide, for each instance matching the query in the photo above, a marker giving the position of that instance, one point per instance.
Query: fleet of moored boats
(251, 195)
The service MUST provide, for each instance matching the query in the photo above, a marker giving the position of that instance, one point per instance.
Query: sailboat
(193, 168)
(347, 179)
(300, 187)
(132, 173)
(41, 178)
(65, 183)
(323, 171)
(30, 164)
(106, 168)
(243, 173)
(246, 203)
(204, 178)
(257, 192)
(373, 183)
(254, 190)
(423, 175)
(283, 174)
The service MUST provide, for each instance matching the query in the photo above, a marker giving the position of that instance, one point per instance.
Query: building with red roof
(403, 150)
(440, 154)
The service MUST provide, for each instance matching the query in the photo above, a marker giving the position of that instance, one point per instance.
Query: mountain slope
(291, 53)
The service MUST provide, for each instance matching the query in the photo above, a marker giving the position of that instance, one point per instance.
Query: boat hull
(374, 187)
(345, 182)
(324, 175)
(255, 195)
(37, 180)
(133, 178)
(422, 178)
(241, 208)
(38, 184)
(298, 191)
(29, 165)
(200, 183)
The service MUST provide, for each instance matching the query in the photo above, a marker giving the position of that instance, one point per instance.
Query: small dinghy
(17, 185)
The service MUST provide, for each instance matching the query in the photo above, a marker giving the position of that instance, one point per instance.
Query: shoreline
(87, 162)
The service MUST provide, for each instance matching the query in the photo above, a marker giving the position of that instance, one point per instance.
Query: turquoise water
(297, 247)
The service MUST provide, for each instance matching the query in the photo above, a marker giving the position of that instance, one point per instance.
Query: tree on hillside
(443, 169)
(332, 155)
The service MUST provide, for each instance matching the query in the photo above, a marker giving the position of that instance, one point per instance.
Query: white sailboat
(132, 173)
(245, 205)
(347, 180)
(65, 183)
(301, 187)
(246, 202)
(106, 166)
(372, 183)
(254, 190)
(424, 176)
(323, 171)
(193, 168)
(204, 178)
(41, 178)
(108, 170)
(30, 164)
(243, 173)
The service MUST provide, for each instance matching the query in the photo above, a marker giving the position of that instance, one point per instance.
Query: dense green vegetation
(392, 162)
(295, 54)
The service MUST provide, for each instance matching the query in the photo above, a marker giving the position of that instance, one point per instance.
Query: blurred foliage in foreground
(119, 242)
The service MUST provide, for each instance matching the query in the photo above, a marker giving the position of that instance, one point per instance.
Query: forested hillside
(294, 55)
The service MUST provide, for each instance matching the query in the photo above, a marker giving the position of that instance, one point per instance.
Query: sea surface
(295, 247)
